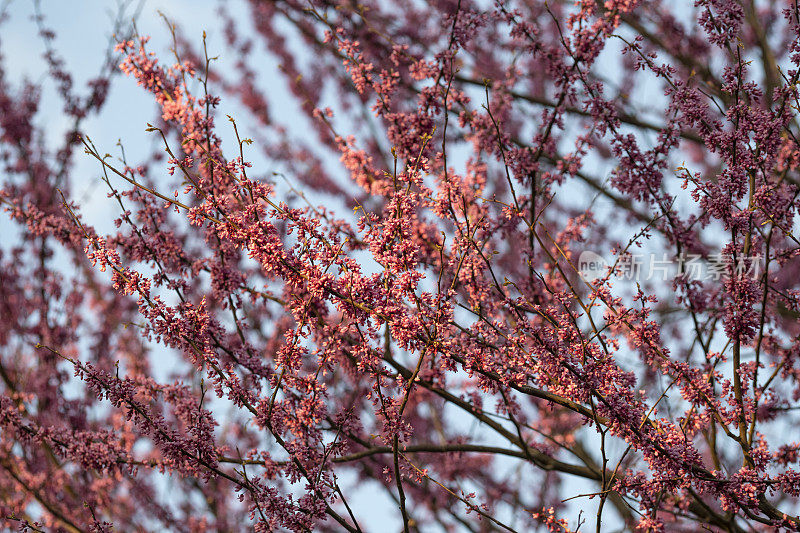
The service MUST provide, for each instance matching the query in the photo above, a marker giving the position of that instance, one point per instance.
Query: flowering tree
(399, 297)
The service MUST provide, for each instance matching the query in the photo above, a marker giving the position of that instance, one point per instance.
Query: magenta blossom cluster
(400, 306)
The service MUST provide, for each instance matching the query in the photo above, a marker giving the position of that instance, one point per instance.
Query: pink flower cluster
(265, 356)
